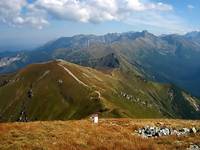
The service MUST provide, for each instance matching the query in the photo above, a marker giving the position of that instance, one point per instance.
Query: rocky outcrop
(8, 60)
(131, 98)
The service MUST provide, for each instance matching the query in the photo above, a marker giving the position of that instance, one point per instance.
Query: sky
(25, 24)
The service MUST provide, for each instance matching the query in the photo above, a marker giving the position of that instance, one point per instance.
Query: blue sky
(28, 23)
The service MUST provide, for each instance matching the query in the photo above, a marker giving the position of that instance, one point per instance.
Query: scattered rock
(60, 81)
(155, 131)
(131, 98)
(4, 82)
(194, 147)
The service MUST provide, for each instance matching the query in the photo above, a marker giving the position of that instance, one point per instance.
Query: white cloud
(40, 12)
(190, 6)
(96, 10)
(11, 12)
(9, 9)
(137, 5)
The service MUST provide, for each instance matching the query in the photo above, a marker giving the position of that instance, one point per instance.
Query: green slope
(59, 90)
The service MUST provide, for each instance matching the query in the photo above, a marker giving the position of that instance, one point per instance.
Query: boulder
(193, 130)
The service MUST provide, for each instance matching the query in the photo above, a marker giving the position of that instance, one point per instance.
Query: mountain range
(132, 74)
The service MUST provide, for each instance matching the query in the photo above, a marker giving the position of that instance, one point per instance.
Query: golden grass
(109, 134)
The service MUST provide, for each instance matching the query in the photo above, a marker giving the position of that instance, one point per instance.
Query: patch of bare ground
(109, 134)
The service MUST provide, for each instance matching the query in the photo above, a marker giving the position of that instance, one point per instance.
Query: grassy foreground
(82, 134)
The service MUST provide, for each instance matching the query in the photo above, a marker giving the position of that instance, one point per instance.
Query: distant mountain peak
(147, 34)
(193, 34)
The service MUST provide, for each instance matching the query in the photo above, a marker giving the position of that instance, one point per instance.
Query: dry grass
(109, 134)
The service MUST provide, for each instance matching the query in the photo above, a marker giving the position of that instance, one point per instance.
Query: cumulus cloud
(10, 9)
(11, 12)
(40, 12)
(96, 10)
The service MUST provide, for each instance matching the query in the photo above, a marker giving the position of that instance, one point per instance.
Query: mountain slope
(62, 90)
(158, 57)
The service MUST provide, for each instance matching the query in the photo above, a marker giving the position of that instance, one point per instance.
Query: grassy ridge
(58, 94)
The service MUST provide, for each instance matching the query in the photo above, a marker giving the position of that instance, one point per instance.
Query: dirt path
(73, 76)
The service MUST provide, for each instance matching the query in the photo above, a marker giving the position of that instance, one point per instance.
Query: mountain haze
(159, 57)
(116, 75)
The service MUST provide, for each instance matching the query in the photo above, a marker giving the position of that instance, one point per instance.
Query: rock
(150, 131)
(186, 130)
(154, 131)
(183, 131)
(198, 130)
(165, 131)
(60, 81)
(193, 130)
(30, 93)
(174, 132)
(140, 131)
(194, 147)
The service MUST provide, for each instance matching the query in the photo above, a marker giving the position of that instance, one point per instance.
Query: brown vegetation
(109, 134)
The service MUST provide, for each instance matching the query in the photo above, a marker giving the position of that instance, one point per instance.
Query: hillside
(59, 90)
(116, 134)
(158, 57)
